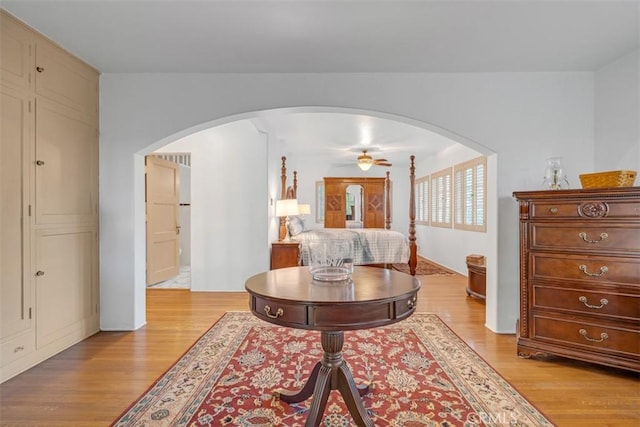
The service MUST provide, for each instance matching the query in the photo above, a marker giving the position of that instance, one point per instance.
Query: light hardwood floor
(91, 383)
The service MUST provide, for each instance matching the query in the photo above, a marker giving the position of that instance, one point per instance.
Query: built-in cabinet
(49, 198)
(580, 275)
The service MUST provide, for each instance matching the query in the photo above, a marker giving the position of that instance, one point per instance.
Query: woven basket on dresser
(608, 179)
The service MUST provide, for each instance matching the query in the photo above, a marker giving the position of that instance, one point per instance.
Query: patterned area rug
(421, 374)
(424, 268)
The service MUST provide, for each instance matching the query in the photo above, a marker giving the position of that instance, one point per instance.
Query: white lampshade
(365, 164)
(304, 209)
(286, 207)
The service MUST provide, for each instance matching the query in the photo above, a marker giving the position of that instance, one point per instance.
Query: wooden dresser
(580, 275)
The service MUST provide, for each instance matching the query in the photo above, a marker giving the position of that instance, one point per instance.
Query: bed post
(413, 254)
(295, 184)
(387, 189)
(283, 194)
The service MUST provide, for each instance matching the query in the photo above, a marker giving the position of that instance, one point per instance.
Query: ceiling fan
(365, 161)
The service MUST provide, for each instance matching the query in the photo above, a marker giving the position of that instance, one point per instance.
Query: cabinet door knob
(39, 162)
(39, 273)
(39, 69)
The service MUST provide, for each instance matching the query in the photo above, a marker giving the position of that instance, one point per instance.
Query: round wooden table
(373, 297)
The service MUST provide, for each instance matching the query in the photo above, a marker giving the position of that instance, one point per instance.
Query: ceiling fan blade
(381, 160)
(383, 164)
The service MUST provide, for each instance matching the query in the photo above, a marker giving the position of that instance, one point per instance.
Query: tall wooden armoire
(335, 190)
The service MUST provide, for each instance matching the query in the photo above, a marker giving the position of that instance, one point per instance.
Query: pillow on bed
(296, 225)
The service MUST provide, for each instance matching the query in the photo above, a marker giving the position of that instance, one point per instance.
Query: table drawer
(355, 316)
(587, 335)
(585, 238)
(289, 314)
(587, 269)
(585, 209)
(586, 301)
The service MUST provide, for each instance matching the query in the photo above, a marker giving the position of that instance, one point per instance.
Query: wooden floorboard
(91, 383)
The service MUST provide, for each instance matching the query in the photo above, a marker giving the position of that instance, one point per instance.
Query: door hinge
(29, 210)
(29, 312)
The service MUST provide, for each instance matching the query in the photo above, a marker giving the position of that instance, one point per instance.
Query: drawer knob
(583, 236)
(603, 270)
(279, 312)
(603, 302)
(553, 210)
(603, 336)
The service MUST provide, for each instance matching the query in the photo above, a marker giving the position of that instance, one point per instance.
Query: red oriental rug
(421, 373)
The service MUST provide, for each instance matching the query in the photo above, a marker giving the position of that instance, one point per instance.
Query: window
(422, 200)
(319, 202)
(441, 198)
(470, 199)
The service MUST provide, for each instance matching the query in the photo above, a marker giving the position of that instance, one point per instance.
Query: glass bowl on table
(331, 260)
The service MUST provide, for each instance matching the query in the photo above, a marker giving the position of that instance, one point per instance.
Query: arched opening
(271, 158)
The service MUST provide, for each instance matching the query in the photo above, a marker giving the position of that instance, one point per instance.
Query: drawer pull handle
(603, 270)
(583, 236)
(603, 302)
(412, 302)
(279, 312)
(603, 336)
(553, 210)
(17, 349)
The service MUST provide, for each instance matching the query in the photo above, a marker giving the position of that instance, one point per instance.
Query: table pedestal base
(332, 373)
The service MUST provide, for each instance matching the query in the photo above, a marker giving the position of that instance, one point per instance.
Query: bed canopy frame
(291, 192)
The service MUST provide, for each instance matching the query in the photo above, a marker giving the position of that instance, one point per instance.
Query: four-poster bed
(376, 243)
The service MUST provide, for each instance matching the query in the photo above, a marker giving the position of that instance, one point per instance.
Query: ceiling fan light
(365, 165)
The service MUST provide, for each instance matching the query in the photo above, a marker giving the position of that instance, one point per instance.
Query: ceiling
(331, 36)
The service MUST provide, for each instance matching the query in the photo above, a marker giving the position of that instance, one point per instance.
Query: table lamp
(286, 208)
(304, 209)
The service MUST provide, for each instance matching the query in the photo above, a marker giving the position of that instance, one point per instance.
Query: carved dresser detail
(580, 275)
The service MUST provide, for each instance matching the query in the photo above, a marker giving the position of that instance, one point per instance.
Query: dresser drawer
(290, 314)
(585, 209)
(585, 238)
(608, 305)
(583, 268)
(588, 335)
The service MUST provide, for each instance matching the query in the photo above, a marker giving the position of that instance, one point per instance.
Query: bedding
(370, 245)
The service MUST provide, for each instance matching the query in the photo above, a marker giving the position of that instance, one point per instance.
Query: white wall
(523, 117)
(617, 116)
(432, 240)
(229, 205)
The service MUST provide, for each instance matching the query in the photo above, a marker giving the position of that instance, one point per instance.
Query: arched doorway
(272, 156)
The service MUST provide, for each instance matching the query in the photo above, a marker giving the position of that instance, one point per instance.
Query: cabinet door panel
(65, 179)
(15, 59)
(15, 295)
(374, 205)
(66, 80)
(335, 215)
(65, 291)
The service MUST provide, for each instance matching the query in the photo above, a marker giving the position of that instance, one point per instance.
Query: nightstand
(284, 254)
